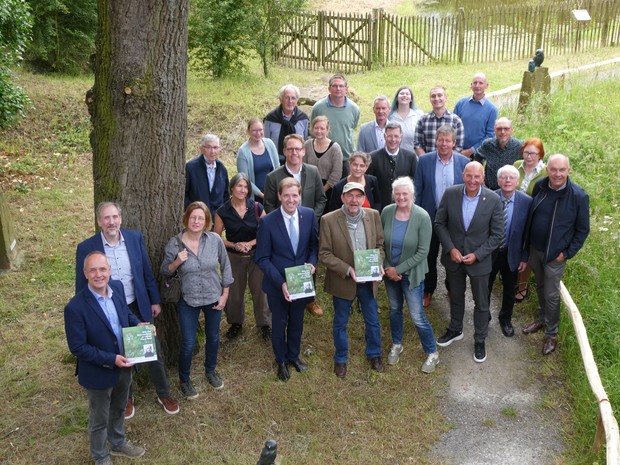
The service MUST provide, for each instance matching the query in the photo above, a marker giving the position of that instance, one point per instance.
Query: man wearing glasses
(343, 115)
(206, 178)
(495, 152)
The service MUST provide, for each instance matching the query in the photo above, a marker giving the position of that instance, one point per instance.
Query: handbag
(170, 290)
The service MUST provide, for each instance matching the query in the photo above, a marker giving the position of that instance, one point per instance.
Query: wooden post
(377, 36)
(460, 29)
(321, 39)
(8, 243)
(541, 24)
(526, 91)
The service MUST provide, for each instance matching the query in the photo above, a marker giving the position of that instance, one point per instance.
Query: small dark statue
(268, 455)
(535, 62)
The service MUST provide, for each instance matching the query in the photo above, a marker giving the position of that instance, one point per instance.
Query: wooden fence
(354, 42)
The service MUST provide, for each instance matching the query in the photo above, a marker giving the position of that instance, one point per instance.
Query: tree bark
(138, 108)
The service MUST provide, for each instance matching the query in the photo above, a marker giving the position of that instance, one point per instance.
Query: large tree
(138, 107)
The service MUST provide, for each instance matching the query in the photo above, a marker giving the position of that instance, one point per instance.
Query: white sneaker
(394, 354)
(431, 362)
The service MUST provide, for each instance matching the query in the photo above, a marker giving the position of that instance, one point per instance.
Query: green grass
(318, 419)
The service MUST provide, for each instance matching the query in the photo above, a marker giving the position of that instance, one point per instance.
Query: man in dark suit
(126, 251)
(286, 237)
(470, 225)
(447, 165)
(391, 162)
(510, 257)
(94, 319)
(371, 137)
(312, 193)
(343, 232)
(206, 178)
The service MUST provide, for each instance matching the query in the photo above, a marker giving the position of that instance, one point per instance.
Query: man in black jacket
(558, 225)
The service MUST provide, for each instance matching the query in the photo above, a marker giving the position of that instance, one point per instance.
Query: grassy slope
(47, 180)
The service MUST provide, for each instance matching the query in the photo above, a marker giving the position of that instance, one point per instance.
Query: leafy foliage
(218, 36)
(222, 33)
(15, 29)
(63, 35)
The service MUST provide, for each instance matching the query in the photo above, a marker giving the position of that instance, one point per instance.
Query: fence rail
(607, 426)
(353, 42)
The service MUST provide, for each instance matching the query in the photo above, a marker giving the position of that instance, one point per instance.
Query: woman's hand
(182, 257)
(391, 273)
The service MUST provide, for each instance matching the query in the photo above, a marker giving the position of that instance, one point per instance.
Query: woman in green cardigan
(407, 229)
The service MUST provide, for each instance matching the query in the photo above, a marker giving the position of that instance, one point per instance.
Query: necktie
(292, 232)
(505, 235)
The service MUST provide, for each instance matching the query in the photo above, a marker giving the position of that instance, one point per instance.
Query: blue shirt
(478, 118)
(399, 229)
(444, 178)
(469, 207)
(109, 309)
(120, 266)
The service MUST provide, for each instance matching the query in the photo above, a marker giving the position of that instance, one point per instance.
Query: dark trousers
(157, 368)
(430, 280)
(287, 324)
(509, 281)
(457, 280)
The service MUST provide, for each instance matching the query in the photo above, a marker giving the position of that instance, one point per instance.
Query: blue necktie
(293, 233)
(505, 236)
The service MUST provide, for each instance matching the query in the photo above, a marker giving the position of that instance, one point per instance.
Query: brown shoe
(550, 344)
(340, 369)
(169, 404)
(130, 410)
(533, 327)
(428, 297)
(314, 308)
(376, 364)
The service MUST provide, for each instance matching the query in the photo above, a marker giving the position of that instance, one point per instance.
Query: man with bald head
(470, 225)
(558, 225)
(478, 115)
(498, 151)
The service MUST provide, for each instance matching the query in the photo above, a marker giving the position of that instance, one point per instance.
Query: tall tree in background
(138, 107)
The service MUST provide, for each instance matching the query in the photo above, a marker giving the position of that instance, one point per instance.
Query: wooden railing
(607, 426)
(352, 42)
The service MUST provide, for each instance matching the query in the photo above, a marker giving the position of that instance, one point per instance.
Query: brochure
(367, 265)
(299, 282)
(139, 344)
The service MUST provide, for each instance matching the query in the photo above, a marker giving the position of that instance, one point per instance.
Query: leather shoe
(283, 373)
(314, 308)
(533, 327)
(428, 298)
(376, 364)
(550, 344)
(507, 328)
(340, 369)
(298, 365)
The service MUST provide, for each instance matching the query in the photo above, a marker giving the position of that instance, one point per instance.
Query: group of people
(418, 183)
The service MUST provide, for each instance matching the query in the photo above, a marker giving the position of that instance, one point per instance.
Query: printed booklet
(299, 281)
(140, 344)
(367, 265)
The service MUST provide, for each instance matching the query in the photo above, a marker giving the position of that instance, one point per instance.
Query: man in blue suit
(94, 319)
(371, 137)
(510, 257)
(206, 178)
(436, 172)
(286, 237)
(126, 251)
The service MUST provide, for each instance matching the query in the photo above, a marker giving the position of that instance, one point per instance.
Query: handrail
(607, 426)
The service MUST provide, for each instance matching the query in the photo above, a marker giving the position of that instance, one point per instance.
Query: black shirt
(240, 229)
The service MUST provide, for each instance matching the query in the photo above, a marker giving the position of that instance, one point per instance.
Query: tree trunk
(138, 107)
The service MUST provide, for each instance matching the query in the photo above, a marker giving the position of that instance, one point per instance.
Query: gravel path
(495, 409)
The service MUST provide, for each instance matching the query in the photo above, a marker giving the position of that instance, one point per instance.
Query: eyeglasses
(503, 129)
(294, 149)
(507, 177)
(211, 147)
(530, 154)
(197, 218)
(338, 86)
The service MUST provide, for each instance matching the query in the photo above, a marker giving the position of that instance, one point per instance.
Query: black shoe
(233, 331)
(283, 374)
(480, 352)
(507, 328)
(266, 332)
(298, 365)
(449, 338)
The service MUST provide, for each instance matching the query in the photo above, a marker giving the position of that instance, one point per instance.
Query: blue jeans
(188, 321)
(395, 291)
(370, 311)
